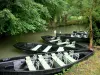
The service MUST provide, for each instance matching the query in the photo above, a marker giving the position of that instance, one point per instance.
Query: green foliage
(23, 16)
(56, 8)
(96, 32)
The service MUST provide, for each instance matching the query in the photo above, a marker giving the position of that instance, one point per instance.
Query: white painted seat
(29, 63)
(66, 42)
(54, 40)
(43, 62)
(68, 58)
(36, 48)
(71, 45)
(60, 49)
(61, 43)
(72, 35)
(57, 61)
(47, 49)
(85, 36)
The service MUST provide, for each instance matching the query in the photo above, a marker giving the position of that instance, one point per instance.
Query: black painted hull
(40, 72)
(26, 47)
(68, 36)
(79, 45)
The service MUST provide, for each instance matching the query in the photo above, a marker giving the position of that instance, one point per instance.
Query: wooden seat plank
(47, 49)
(67, 57)
(43, 62)
(29, 63)
(54, 40)
(61, 43)
(57, 61)
(60, 49)
(36, 48)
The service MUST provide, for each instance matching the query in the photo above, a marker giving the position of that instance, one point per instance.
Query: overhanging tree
(18, 16)
(89, 9)
(56, 9)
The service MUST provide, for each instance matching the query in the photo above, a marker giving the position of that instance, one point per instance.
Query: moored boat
(63, 41)
(75, 34)
(78, 36)
(42, 63)
(36, 47)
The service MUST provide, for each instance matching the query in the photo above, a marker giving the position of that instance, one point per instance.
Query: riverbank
(91, 66)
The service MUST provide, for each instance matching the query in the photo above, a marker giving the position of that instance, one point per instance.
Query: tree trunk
(65, 19)
(91, 34)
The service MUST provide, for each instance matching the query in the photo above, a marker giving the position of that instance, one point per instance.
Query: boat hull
(30, 47)
(68, 36)
(79, 45)
(41, 72)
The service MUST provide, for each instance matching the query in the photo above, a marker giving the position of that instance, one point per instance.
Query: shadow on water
(6, 43)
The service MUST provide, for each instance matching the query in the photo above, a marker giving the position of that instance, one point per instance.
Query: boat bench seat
(71, 45)
(43, 62)
(57, 61)
(61, 43)
(60, 49)
(68, 58)
(29, 63)
(54, 40)
(47, 49)
(36, 48)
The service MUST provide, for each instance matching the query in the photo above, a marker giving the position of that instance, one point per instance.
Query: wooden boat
(79, 36)
(63, 41)
(36, 47)
(42, 63)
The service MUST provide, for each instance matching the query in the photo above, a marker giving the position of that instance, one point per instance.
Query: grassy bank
(91, 66)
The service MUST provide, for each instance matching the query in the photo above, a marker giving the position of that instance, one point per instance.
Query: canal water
(6, 44)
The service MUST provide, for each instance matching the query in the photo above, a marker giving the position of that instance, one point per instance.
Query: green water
(6, 44)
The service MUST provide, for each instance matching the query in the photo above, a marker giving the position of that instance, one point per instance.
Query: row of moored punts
(60, 52)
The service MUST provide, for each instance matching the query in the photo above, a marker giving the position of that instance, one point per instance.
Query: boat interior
(44, 61)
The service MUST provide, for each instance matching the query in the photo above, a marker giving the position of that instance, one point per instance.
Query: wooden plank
(57, 61)
(60, 49)
(47, 49)
(72, 35)
(67, 57)
(70, 45)
(29, 63)
(54, 40)
(43, 62)
(61, 43)
(36, 48)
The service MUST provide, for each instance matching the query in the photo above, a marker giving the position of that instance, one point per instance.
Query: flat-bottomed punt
(77, 34)
(42, 63)
(38, 48)
(80, 36)
(65, 41)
